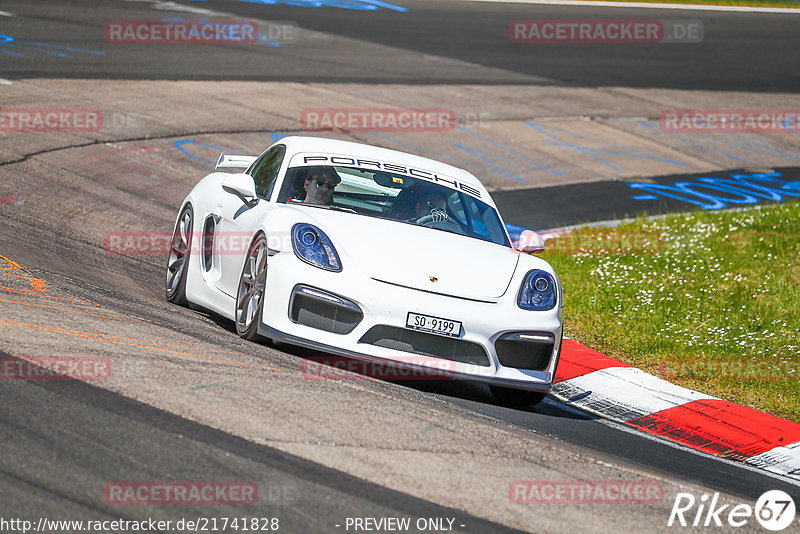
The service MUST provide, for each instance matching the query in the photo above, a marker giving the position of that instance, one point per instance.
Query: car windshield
(393, 196)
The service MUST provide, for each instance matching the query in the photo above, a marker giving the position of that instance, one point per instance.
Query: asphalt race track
(187, 400)
(738, 53)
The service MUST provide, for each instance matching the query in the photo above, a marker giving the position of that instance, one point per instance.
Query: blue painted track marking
(421, 149)
(476, 152)
(45, 48)
(591, 152)
(737, 189)
(179, 146)
(692, 143)
(538, 164)
(772, 151)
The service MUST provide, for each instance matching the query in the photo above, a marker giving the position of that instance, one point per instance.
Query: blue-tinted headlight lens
(538, 292)
(312, 246)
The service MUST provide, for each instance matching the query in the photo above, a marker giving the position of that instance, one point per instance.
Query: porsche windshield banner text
(392, 168)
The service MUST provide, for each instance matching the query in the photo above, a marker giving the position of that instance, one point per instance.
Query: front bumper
(369, 305)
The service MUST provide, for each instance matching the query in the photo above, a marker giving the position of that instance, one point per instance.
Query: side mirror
(241, 185)
(530, 242)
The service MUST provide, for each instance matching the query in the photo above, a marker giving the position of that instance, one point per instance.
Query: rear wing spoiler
(234, 162)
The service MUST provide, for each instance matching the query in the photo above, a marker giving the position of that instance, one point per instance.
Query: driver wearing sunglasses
(319, 186)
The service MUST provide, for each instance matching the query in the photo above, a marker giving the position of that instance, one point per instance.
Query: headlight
(538, 292)
(312, 246)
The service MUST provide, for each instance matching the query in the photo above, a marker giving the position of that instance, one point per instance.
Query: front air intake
(415, 342)
(324, 311)
(525, 350)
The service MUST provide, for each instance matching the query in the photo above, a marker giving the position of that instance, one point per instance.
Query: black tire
(180, 249)
(516, 398)
(250, 295)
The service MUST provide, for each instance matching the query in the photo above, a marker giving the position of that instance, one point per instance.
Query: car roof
(296, 144)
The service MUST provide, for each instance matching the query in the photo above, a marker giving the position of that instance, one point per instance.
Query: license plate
(435, 325)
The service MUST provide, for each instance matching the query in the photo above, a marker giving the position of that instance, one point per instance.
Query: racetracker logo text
(180, 32)
(605, 31)
(180, 493)
(605, 242)
(379, 120)
(731, 120)
(158, 243)
(585, 491)
(85, 368)
(406, 368)
(50, 120)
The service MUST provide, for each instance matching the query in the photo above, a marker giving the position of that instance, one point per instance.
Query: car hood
(416, 257)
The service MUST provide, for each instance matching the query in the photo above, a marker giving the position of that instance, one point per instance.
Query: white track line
(684, 7)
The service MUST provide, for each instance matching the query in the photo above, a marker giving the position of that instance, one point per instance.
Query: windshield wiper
(340, 208)
(325, 207)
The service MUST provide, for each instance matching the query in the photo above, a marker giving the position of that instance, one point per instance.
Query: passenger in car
(319, 185)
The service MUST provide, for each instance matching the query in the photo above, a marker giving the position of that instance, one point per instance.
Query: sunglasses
(321, 182)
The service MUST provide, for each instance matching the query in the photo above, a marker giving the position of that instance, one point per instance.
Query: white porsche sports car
(371, 254)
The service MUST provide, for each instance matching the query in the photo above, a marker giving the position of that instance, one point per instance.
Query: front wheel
(178, 262)
(252, 284)
(516, 398)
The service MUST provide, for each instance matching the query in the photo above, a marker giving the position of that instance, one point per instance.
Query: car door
(237, 219)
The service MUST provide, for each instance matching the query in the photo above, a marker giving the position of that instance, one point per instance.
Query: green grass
(708, 300)
(746, 3)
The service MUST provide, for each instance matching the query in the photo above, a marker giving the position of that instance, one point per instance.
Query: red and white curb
(601, 385)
